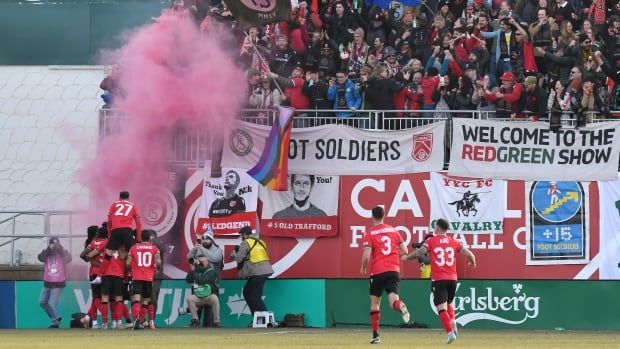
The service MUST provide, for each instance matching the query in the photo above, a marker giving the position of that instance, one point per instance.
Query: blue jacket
(351, 95)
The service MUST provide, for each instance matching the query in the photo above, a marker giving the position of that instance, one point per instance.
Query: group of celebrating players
(122, 267)
(123, 263)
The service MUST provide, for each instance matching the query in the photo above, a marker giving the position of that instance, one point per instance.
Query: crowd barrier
(191, 146)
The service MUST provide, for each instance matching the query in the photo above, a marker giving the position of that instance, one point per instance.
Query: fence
(191, 146)
(23, 234)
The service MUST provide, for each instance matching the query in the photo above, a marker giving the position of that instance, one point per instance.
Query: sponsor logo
(240, 142)
(487, 304)
(237, 306)
(422, 147)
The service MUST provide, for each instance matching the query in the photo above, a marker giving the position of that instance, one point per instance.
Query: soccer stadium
(309, 173)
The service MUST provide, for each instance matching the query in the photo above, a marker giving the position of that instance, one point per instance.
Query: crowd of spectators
(528, 59)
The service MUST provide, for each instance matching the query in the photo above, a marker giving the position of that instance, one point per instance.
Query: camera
(416, 245)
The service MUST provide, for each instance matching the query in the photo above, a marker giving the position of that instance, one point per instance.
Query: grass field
(302, 338)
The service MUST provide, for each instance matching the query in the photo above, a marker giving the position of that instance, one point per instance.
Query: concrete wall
(47, 113)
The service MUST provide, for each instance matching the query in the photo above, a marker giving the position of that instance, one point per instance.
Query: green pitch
(301, 338)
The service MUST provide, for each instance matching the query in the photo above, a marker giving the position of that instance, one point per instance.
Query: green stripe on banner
(536, 304)
(281, 297)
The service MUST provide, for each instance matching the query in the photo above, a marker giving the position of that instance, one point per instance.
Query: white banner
(471, 205)
(308, 209)
(229, 202)
(609, 240)
(343, 150)
(525, 150)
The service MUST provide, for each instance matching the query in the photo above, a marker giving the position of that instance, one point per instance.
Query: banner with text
(524, 150)
(229, 202)
(557, 223)
(471, 205)
(609, 243)
(343, 150)
(308, 209)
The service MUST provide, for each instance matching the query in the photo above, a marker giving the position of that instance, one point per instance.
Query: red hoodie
(429, 86)
(297, 99)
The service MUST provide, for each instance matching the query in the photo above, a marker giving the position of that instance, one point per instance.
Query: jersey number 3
(444, 256)
(387, 245)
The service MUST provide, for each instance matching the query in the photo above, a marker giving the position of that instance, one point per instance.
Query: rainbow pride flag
(272, 167)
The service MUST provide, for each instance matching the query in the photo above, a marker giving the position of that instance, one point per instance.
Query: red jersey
(442, 250)
(143, 261)
(116, 267)
(122, 213)
(98, 245)
(384, 241)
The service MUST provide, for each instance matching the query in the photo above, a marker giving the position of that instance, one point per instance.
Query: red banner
(304, 226)
(406, 201)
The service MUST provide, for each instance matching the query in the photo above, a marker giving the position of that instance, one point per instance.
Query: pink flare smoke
(172, 77)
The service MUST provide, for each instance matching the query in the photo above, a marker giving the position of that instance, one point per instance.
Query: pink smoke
(172, 77)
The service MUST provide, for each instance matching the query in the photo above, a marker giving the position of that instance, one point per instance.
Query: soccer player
(112, 287)
(383, 247)
(94, 253)
(121, 215)
(442, 249)
(144, 260)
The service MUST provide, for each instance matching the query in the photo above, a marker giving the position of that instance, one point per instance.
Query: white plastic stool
(263, 319)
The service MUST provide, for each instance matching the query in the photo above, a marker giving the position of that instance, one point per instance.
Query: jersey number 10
(145, 259)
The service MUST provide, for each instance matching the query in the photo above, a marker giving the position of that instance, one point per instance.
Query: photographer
(55, 258)
(207, 247)
(425, 263)
(204, 289)
(253, 264)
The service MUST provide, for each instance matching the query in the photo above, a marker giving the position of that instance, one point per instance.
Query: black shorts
(388, 281)
(443, 291)
(126, 291)
(143, 288)
(95, 288)
(112, 286)
(120, 236)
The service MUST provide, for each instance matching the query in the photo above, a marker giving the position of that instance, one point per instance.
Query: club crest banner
(342, 150)
(524, 150)
(471, 205)
(228, 203)
(609, 241)
(308, 209)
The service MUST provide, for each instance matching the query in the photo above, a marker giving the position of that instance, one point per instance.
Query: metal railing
(19, 246)
(191, 146)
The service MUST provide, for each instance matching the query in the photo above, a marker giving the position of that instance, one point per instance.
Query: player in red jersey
(144, 260)
(112, 287)
(93, 253)
(383, 248)
(441, 249)
(121, 216)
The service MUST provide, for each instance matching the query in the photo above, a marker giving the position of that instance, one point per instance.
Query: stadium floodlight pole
(262, 59)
